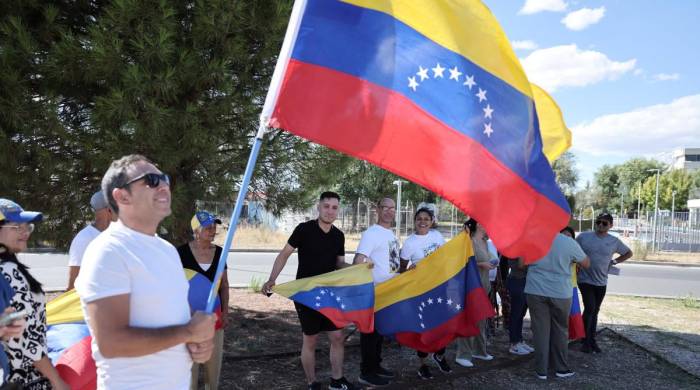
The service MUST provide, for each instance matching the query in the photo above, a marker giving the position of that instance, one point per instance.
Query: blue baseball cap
(203, 219)
(12, 212)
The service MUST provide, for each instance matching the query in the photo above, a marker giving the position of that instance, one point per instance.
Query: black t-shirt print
(318, 251)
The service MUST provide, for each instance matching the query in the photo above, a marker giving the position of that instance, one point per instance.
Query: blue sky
(624, 73)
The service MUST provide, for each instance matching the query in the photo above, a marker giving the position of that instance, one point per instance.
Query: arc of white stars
(412, 83)
(437, 71)
(469, 82)
(454, 74)
(488, 111)
(422, 73)
(481, 95)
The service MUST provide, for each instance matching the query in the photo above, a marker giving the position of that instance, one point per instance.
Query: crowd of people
(147, 333)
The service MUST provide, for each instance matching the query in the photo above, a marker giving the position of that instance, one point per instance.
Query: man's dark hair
(605, 216)
(329, 195)
(470, 226)
(117, 177)
(570, 230)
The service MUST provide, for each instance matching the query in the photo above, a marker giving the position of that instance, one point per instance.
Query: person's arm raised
(109, 320)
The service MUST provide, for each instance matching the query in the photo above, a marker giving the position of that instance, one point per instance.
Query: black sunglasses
(604, 223)
(152, 179)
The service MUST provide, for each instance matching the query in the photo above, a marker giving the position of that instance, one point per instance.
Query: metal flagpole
(255, 150)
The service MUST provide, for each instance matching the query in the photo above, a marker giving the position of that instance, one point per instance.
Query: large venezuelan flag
(439, 300)
(69, 342)
(576, 328)
(432, 91)
(344, 296)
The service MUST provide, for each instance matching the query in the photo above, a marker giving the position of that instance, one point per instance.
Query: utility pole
(398, 184)
(656, 208)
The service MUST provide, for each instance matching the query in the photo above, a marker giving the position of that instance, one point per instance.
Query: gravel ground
(263, 341)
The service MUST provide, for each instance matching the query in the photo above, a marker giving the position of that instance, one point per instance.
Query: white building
(687, 159)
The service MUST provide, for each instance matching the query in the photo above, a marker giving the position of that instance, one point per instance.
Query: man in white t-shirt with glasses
(133, 289)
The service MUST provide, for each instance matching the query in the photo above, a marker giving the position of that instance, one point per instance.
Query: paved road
(634, 279)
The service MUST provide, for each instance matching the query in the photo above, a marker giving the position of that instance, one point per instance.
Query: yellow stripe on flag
(431, 272)
(466, 27)
(556, 137)
(64, 309)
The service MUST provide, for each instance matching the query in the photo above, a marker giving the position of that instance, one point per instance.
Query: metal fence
(679, 232)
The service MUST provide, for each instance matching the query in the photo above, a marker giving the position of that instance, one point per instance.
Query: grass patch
(256, 283)
(690, 302)
(676, 315)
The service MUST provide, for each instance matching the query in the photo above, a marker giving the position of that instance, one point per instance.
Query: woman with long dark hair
(29, 362)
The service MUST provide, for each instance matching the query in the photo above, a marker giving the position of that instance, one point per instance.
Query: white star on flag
(449, 301)
(323, 292)
(342, 306)
(337, 299)
(422, 73)
(318, 304)
(454, 74)
(420, 316)
(422, 304)
(412, 83)
(458, 306)
(422, 325)
(481, 95)
(439, 300)
(420, 308)
(487, 129)
(430, 301)
(317, 297)
(488, 111)
(331, 293)
(469, 82)
(437, 71)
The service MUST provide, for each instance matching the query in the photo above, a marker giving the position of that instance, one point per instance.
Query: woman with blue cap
(29, 362)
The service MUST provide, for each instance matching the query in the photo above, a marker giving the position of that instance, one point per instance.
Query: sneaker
(424, 372)
(384, 373)
(315, 386)
(483, 357)
(464, 362)
(585, 348)
(565, 374)
(526, 347)
(518, 349)
(341, 384)
(441, 362)
(541, 376)
(373, 380)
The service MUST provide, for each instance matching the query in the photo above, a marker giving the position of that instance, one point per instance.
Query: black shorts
(313, 322)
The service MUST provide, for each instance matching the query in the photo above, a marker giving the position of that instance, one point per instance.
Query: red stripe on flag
(364, 319)
(375, 124)
(576, 328)
(464, 324)
(76, 366)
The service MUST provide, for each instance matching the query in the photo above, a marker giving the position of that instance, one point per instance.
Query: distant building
(687, 159)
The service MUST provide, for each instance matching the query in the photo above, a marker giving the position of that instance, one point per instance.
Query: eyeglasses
(604, 223)
(22, 228)
(152, 180)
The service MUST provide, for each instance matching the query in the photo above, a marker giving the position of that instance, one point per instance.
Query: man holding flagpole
(379, 246)
(134, 292)
(321, 249)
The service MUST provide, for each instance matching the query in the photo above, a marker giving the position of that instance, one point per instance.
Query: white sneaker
(526, 347)
(483, 357)
(518, 349)
(464, 362)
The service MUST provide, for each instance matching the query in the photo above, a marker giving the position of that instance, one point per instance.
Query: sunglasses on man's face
(152, 180)
(604, 223)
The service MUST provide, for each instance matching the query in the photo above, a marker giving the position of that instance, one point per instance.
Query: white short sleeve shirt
(123, 261)
(80, 243)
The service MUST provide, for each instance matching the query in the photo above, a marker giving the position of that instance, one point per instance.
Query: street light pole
(639, 210)
(656, 208)
(673, 208)
(592, 219)
(398, 183)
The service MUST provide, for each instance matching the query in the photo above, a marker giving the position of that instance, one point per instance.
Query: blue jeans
(518, 307)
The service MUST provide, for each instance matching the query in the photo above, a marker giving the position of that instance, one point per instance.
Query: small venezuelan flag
(344, 296)
(439, 300)
(576, 328)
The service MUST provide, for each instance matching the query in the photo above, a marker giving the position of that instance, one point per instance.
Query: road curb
(645, 262)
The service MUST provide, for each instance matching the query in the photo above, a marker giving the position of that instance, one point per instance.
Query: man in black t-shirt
(321, 249)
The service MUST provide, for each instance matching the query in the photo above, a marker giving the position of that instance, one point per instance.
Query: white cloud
(579, 20)
(645, 131)
(666, 76)
(638, 72)
(569, 66)
(524, 45)
(535, 6)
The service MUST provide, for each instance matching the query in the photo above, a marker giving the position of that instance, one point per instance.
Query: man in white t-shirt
(133, 289)
(103, 217)
(379, 246)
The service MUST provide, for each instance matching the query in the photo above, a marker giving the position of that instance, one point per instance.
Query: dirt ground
(263, 341)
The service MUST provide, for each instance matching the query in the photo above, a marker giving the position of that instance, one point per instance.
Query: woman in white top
(417, 246)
